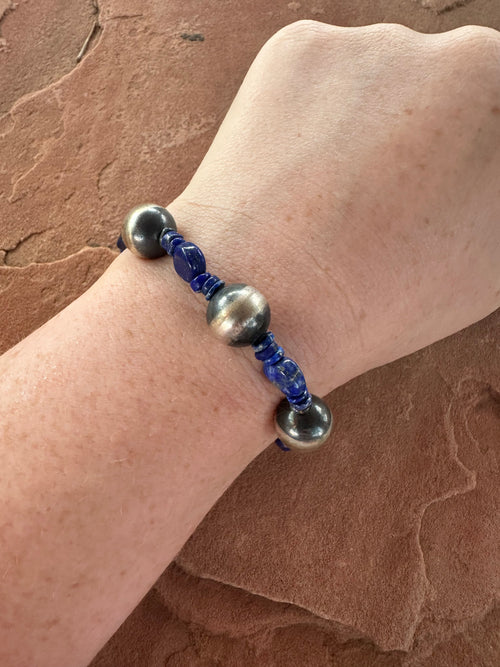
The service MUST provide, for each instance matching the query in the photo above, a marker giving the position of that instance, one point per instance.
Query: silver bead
(303, 431)
(142, 228)
(238, 314)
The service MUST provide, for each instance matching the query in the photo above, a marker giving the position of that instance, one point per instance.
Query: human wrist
(239, 315)
(242, 245)
(162, 313)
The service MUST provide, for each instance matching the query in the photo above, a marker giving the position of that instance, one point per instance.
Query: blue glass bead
(170, 239)
(211, 285)
(121, 245)
(189, 261)
(198, 282)
(287, 376)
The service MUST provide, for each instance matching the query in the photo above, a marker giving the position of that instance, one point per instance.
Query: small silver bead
(238, 314)
(303, 431)
(142, 229)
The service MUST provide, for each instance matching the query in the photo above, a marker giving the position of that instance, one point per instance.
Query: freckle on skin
(495, 109)
(409, 111)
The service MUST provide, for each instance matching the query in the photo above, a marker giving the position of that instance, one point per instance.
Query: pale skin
(355, 183)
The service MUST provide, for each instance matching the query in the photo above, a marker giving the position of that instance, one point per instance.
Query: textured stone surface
(382, 550)
(39, 42)
(202, 623)
(228, 626)
(443, 5)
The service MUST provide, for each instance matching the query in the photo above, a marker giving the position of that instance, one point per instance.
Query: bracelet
(239, 315)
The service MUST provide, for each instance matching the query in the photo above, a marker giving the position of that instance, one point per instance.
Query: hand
(354, 181)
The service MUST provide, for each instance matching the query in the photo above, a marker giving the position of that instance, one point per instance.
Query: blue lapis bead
(276, 353)
(282, 445)
(211, 280)
(263, 341)
(189, 261)
(268, 353)
(301, 403)
(170, 239)
(120, 244)
(287, 376)
(206, 283)
(267, 350)
(174, 243)
(211, 285)
(197, 283)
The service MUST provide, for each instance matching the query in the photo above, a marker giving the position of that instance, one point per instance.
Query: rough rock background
(381, 550)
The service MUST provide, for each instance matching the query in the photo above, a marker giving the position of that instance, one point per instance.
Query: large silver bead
(238, 314)
(304, 431)
(142, 228)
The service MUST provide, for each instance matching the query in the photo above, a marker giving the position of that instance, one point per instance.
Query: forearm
(122, 422)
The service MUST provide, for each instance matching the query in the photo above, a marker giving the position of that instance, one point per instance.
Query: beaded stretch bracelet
(239, 315)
